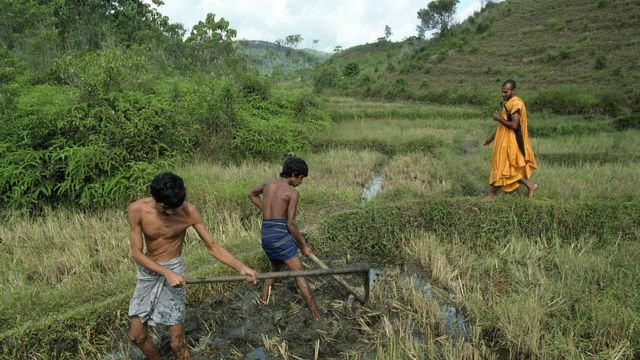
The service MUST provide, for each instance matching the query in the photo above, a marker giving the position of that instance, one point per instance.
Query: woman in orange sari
(512, 158)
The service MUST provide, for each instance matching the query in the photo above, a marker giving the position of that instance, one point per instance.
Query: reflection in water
(372, 188)
(455, 323)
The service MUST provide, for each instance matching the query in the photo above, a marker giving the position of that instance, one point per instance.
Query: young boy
(278, 205)
(160, 222)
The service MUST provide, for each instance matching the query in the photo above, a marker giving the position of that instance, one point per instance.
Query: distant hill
(269, 57)
(550, 47)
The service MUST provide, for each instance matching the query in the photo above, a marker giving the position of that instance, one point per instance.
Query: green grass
(552, 277)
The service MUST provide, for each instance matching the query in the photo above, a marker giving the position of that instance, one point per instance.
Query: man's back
(275, 199)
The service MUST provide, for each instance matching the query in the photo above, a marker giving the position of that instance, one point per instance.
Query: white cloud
(332, 22)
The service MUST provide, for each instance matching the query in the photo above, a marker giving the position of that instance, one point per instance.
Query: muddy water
(455, 322)
(373, 187)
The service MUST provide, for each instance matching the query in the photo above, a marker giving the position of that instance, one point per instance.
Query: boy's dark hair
(510, 82)
(168, 189)
(294, 166)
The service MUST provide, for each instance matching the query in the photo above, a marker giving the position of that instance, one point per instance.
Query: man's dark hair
(294, 166)
(510, 82)
(168, 189)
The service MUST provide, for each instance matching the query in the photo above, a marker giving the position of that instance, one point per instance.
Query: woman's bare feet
(532, 189)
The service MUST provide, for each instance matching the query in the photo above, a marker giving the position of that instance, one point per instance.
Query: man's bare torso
(163, 230)
(275, 199)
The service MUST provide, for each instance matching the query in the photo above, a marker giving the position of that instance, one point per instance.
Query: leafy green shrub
(254, 86)
(482, 27)
(307, 108)
(601, 62)
(557, 24)
(455, 96)
(631, 121)
(555, 56)
(99, 73)
(401, 89)
(564, 100)
(325, 77)
(63, 150)
(45, 112)
(268, 139)
(351, 69)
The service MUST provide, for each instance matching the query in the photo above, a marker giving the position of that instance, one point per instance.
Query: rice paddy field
(552, 277)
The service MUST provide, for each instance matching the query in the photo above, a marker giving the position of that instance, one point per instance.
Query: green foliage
(268, 139)
(480, 223)
(62, 336)
(601, 62)
(437, 16)
(211, 41)
(631, 121)
(557, 24)
(564, 100)
(307, 108)
(351, 69)
(254, 86)
(325, 77)
(62, 151)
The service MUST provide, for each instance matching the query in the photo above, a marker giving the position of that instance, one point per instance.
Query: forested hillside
(568, 57)
(275, 59)
(97, 95)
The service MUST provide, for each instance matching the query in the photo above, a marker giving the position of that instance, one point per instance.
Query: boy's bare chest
(158, 227)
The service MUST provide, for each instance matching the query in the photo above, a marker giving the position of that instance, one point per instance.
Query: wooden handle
(284, 274)
(362, 299)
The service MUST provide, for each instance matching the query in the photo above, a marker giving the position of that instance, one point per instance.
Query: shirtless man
(160, 222)
(278, 205)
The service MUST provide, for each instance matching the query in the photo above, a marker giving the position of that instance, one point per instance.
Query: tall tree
(293, 40)
(387, 32)
(437, 16)
(212, 40)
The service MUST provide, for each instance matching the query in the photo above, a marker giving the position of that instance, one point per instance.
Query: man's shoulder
(139, 204)
(515, 103)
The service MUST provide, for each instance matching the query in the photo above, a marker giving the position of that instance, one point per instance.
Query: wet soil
(233, 325)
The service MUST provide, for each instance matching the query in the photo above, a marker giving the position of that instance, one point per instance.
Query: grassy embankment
(552, 277)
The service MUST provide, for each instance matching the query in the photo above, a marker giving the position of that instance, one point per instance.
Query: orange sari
(508, 163)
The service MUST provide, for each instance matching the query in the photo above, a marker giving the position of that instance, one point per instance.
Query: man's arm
(291, 224)
(254, 196)
(513, 124)
(489, 140)
(218, 251)
(137, 249)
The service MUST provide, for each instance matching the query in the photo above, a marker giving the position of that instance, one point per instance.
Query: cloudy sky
(333, 22)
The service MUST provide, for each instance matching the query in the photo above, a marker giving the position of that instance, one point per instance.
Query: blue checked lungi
(277, 242)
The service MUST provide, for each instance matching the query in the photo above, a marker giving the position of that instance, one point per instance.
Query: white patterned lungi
(154, 301)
